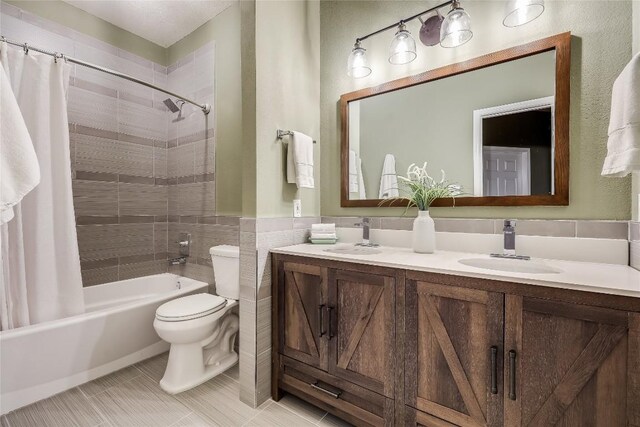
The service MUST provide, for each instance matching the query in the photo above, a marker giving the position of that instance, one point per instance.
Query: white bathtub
(116, 331)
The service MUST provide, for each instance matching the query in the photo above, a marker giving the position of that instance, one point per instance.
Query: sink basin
(510, 265)
(354, 250)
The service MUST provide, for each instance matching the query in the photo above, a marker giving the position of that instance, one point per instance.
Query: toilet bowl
(202, 328)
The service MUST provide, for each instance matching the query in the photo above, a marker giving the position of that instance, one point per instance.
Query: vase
(424, 234)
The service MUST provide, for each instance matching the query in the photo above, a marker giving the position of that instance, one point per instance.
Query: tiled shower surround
(139, 178)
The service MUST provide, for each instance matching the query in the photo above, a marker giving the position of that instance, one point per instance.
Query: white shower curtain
(41, 278)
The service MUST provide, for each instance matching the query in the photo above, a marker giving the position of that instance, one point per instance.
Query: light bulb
(357, 64)
(520, 12)
(403, 47)
(456, 28)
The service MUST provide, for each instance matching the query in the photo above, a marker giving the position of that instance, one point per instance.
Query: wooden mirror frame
(561, 43)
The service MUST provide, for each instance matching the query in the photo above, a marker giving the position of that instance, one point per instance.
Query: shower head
(171, 105)
(175, 107)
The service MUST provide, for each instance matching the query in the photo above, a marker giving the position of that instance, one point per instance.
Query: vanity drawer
(346, 400)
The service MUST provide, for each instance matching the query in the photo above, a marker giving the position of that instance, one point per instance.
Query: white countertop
(583, 276)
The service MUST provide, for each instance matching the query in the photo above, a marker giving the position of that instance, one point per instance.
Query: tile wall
(139, 178)
(634, 244)
(257, 237)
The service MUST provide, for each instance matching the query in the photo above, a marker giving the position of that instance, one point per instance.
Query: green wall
(79, 20)
(225, 30)
(248, 72)
(635, 191)
(598, 56)
(287, 97)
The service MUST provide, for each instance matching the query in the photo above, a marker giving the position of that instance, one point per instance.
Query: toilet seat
(190, 307)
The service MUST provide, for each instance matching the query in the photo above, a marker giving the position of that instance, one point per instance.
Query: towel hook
(26, 48)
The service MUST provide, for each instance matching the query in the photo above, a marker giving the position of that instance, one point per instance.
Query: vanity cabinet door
(302, 297)
(453, 366)
(362, 329)
(570, 364)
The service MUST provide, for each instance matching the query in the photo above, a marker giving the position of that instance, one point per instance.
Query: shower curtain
(41, 278)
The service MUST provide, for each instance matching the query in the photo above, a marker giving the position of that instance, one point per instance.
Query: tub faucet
(366, 229)
(178, 261)
(509, 249)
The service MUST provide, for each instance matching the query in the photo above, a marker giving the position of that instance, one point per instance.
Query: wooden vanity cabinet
(570, 364)
(378, 346)
(336, 338)
(454, 342)
(475, 357)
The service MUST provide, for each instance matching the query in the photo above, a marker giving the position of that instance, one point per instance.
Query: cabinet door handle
(324, 390)
(512, 374)
(321, 320)
(330, 310)
(494, 370)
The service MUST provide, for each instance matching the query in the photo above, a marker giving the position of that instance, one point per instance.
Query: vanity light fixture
(403, 47)
(357, 64)
(520, 12)
(456, 28)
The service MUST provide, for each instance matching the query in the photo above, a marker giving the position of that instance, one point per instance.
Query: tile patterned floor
(132, 397)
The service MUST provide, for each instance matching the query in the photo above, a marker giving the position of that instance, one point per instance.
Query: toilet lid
(190, 307)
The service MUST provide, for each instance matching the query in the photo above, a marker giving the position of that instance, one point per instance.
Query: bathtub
(115, 331)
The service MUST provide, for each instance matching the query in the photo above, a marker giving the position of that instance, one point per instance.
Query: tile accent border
(554, 228)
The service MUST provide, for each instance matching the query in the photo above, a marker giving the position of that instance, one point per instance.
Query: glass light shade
(357, 64)
(456, 28)
(520, 12)
(403, 47)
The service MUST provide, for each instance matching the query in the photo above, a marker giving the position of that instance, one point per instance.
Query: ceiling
(162, 22)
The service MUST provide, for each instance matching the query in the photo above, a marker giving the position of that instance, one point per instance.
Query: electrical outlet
(297, 208)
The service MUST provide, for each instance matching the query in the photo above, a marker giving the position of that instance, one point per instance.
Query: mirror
(497, 125)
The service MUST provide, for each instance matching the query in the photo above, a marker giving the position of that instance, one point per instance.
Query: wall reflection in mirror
(491, 130)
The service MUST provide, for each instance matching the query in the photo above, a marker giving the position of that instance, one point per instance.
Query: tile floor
(132, 397)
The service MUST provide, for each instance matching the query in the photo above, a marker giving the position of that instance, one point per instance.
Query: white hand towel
(300, 161)
(389, 179)
(361, 189)
(353, 172)
(323, 228)
(623, 147)
(19, 168)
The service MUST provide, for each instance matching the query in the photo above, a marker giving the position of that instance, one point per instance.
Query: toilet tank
(226, 270)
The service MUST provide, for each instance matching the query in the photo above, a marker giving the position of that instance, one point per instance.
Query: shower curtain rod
(204, 107)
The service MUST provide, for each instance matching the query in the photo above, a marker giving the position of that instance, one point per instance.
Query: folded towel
(353, 172)
(323, 235)
(323, 228)
(19, 169)
(623, 147)
(361, 190)
(300, 161)
(389, 179)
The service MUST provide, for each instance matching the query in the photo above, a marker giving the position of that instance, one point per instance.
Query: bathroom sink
(354, 250)
(510, 265)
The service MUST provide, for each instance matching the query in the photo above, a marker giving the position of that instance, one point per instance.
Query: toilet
(201, 328)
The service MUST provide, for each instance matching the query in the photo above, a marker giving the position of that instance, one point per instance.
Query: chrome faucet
(509, 248)
(178, 261)
(366, 230)
(184, 245)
